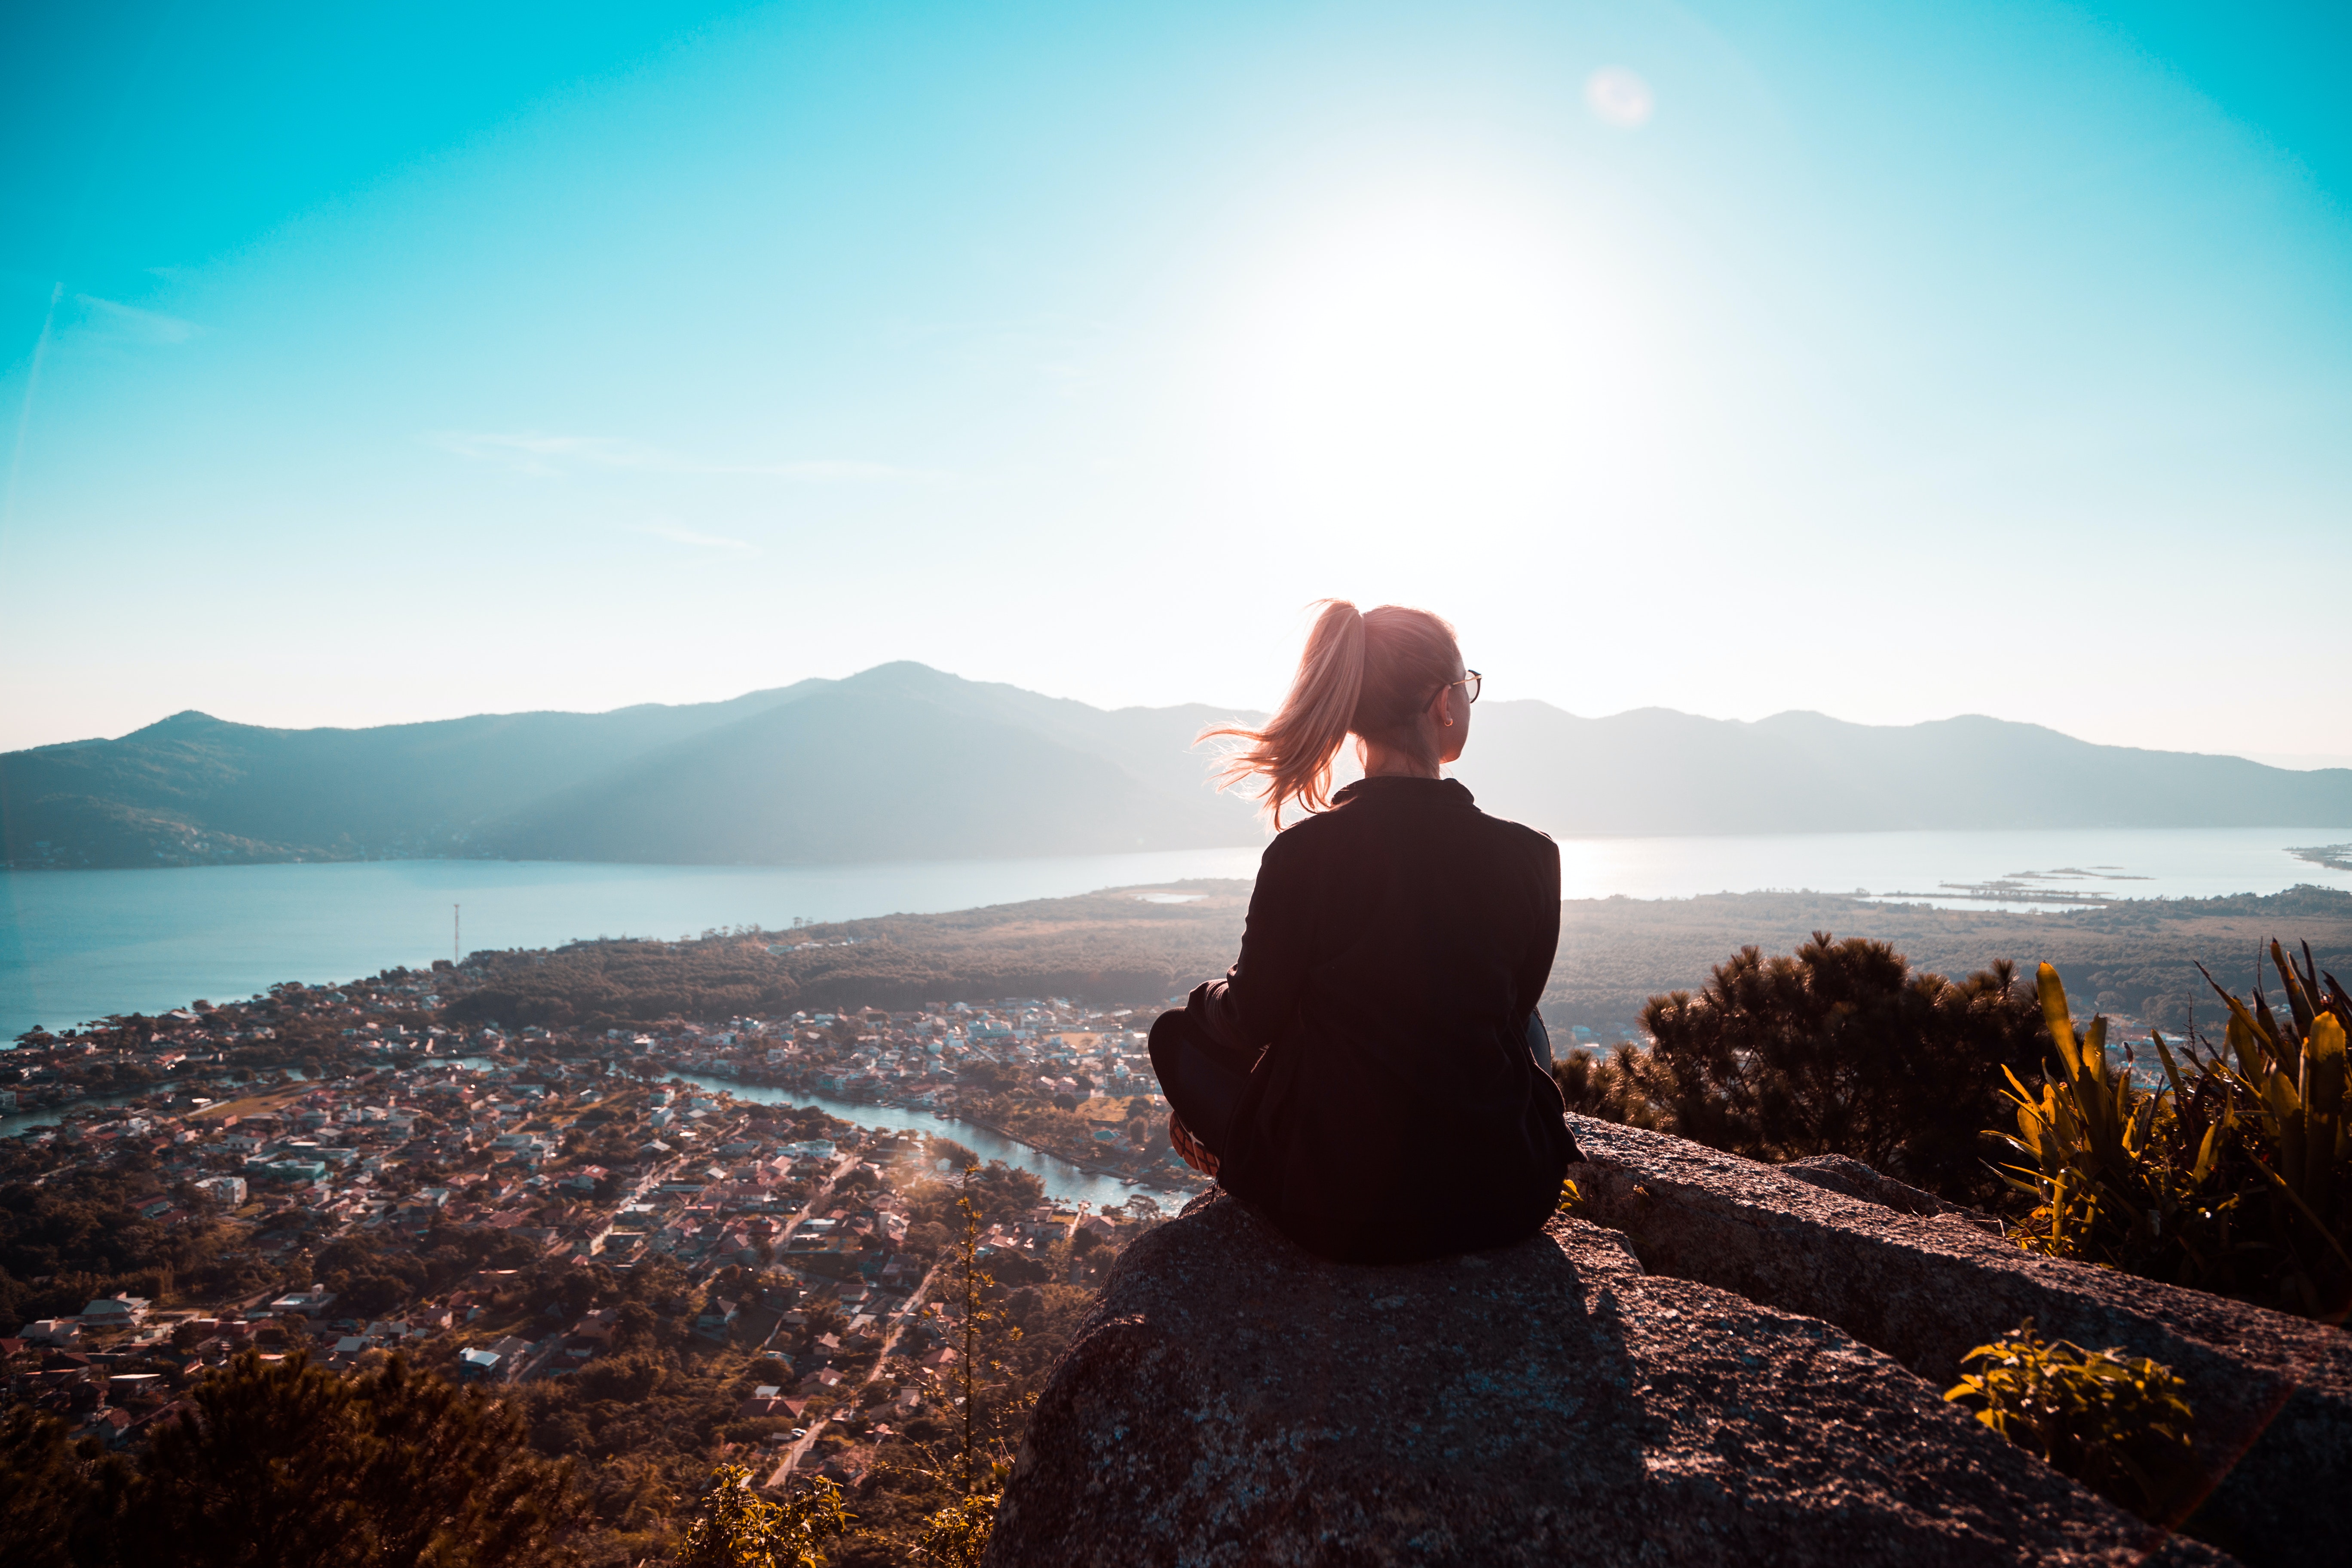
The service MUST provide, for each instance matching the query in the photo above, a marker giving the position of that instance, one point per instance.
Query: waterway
(50, 1116)
(1070, 1183)
(77, 945)
(1063, 1181)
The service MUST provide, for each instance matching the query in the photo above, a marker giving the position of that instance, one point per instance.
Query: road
(899, 1321)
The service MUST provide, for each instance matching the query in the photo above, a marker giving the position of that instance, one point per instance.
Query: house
(310, 1303)
(768, 1400)
(477, 1366)
(597, 1327)
(111, 1425)
(51, 1332)
(226, 1191)
(116, 1312)
(717, 1318)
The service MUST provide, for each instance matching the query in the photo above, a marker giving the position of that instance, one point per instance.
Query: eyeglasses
(1472, 680)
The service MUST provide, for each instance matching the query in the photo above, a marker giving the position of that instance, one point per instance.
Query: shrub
(740, 1529)
(2232, 1176)
(1839, 1049)
(2115, 1423)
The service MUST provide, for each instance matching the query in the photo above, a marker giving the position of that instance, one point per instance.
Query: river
(77, 945)
(1070, 1183)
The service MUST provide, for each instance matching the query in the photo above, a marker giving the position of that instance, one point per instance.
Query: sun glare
(1441, 350)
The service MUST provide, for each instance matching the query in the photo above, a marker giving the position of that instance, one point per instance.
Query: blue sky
(1890, 360)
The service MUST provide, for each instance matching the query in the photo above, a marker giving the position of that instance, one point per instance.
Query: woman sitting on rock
(1371, 1074)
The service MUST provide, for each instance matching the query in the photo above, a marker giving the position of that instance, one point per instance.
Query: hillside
(1117, 947)
(903, 761)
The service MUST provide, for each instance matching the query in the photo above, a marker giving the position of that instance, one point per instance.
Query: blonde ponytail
(1364, 673)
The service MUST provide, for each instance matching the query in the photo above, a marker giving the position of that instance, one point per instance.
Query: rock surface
(1836, 1174)
(2273, 1394)
(1235, 1401)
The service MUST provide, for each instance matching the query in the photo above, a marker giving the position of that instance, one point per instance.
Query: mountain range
(903, 761)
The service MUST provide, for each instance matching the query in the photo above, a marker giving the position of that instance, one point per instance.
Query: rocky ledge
(1924, 1282)
(1232, 1400)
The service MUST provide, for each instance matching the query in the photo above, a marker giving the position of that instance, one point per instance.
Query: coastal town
(635, 1233)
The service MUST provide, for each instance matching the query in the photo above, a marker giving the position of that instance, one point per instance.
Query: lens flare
(1617, 96)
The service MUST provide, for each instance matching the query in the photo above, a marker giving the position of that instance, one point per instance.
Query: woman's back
(1396, 948)
(1364, 1073)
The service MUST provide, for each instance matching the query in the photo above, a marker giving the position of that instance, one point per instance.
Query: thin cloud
(128, 322)
(679, 535)
(546, 455)
(824, 469)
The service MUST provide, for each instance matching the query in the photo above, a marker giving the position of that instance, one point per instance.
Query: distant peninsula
(903, 761)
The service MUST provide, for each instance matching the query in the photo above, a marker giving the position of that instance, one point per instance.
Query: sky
(365, 365)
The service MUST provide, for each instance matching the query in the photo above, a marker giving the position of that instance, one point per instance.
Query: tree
(740, 1529)
(287, 1465)
(58, 1500)
(958, 1534)
(1839, 1049)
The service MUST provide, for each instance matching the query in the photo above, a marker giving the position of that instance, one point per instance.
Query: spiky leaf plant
(2231, 1177)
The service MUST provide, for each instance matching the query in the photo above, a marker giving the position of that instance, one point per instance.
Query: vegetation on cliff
(1841, 1048)
(284, 1464)
(2232, 1175)
(2229, 1172)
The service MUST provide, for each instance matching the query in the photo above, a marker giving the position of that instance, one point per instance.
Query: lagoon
(77, 945)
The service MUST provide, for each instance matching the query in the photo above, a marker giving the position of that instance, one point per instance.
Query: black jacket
(1396, 948)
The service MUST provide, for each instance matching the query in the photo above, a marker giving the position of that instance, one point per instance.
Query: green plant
(956, 1532)
(2297, 1083)
(1571, 1196)
(1839, 1049)
(2230, 1176)
(956, 1535)
(977, 1316)
(740, 1529)
(2116, 1423)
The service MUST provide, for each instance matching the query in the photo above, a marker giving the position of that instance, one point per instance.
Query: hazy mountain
(904, 763)
(1653, 770)
(901, 761)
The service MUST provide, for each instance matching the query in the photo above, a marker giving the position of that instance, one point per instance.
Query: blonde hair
(1364, 673)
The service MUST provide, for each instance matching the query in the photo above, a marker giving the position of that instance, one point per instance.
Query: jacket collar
(1395, 787)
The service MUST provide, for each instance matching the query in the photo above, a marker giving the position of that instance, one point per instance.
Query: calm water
(76, 945)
